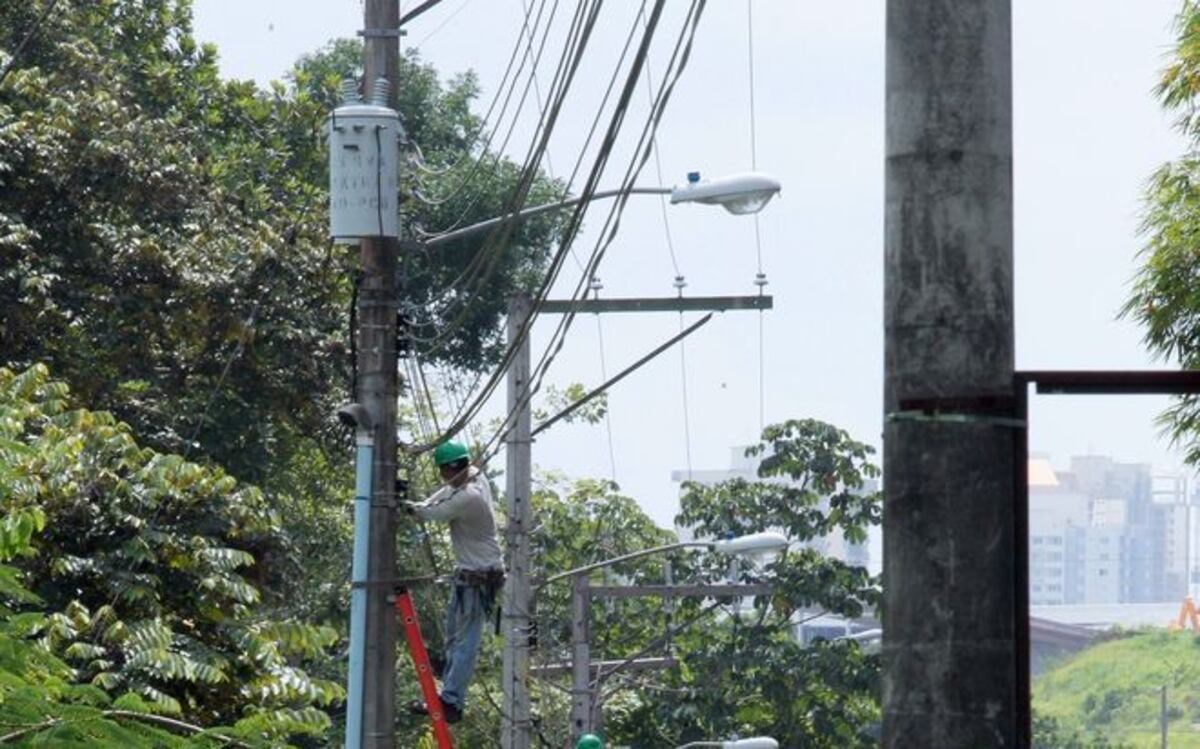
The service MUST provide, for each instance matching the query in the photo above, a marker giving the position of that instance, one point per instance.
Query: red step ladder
(420, 657)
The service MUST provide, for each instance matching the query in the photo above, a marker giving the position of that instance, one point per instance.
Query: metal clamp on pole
(382, 33)
(994, 410)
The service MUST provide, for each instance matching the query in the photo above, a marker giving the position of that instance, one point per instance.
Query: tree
(162, 240)
(738, 673)
(1163, 299)
(41, 703)
(145, 567)
(748, 674)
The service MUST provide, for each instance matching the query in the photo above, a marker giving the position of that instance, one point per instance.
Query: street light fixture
(757, 742)
(751, 543)
(582, 700)
(738, 193)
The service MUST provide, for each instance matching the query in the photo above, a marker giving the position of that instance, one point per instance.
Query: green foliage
(1049, 733)
(42, 702)
(812, 484)
(1164, 300)
(555, 400)
(163, 240)
(742, 673)
(1110, 692)
(163, 249)
(144, 565)
(747, 680)
(751, 676)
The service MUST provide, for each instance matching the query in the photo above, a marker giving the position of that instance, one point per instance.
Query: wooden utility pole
(951, 676)
(376, 391)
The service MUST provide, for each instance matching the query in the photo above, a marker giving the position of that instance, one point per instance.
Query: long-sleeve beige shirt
(468, 510)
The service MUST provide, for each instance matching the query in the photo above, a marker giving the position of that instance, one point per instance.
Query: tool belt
(493, 578)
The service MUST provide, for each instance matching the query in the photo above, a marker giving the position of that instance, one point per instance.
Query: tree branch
(176, 725)
(171, 723)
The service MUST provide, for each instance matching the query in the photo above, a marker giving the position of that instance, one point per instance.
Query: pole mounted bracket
(382, 33)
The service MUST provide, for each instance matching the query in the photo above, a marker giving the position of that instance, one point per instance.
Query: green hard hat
(589, 741)
(450, 452)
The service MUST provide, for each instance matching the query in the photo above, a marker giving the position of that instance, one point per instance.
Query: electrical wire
(574, 226)
(445, 22)
(760, 278)
(470, 275)
(662, 199)
(607, 233)
(486, 259)
(483, 123)
(612, 223)
(687, 426)
(679, 285)
(469, 178)
(561, 86)
(498, 157)
(677, 64)
(612, 454)
(574, 172)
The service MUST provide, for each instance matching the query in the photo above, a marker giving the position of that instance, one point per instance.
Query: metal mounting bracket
(382, 33)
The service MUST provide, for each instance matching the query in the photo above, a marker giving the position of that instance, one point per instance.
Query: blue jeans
(470, 607)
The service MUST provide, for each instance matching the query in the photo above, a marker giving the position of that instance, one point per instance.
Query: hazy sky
(1088, 133)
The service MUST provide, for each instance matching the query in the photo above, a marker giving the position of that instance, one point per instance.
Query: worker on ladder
(465, 502)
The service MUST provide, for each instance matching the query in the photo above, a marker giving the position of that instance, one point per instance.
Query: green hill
(1112, 690)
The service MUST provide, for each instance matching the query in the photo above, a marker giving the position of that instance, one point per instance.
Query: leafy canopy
(163, 233)
(1165, 300)
(738, 673)
(142, 567)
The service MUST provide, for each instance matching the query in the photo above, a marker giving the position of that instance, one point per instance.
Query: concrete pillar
(951, 676)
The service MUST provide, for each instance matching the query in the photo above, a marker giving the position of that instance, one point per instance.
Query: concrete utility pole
(582, 701)
(951, 676)
(376, 390)
(588, 676)
(515, 728)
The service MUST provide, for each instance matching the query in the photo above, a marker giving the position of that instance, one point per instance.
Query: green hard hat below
(450, 452)
(589, 741)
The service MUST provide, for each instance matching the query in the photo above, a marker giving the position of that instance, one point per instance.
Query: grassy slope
(1112, 689)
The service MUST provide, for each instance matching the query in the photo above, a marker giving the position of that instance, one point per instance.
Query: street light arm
(757, 742)
(537, 210)
(427, 5)
(626, 558)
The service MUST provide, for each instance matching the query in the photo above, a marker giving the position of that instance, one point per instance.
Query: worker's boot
(452, 713)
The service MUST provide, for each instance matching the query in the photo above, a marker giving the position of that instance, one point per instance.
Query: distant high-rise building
(1106, 532)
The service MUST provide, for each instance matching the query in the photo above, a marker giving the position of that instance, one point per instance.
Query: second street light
(584, 702)
(756, 742)
(739, 194)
